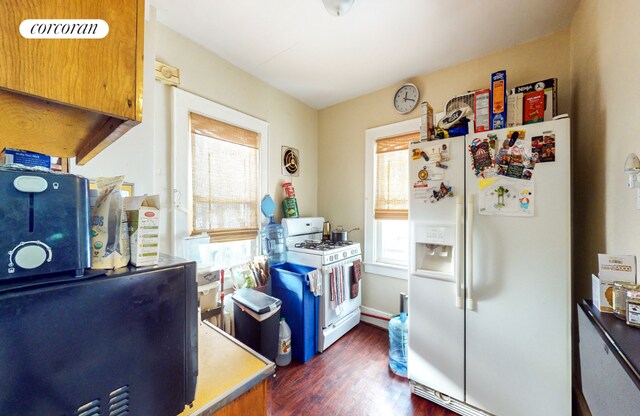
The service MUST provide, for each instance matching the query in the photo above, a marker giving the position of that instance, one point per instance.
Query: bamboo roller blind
(225, 166)
(392, 181)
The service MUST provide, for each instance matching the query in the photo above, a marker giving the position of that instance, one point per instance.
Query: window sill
(398, 272)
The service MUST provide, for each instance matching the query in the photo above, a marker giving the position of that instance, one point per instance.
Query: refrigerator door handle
(459, 250)
(471, 304)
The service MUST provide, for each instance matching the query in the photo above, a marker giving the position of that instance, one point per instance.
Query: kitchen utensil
(340, 234)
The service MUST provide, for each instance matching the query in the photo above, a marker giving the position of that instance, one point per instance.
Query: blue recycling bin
(300, 307)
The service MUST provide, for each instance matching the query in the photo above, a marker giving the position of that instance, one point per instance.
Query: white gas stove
(304, 243)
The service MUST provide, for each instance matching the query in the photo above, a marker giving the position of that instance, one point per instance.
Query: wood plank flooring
(352, 378)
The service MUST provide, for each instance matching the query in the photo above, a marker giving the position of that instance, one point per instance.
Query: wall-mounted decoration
(167, 74)
(290, 161)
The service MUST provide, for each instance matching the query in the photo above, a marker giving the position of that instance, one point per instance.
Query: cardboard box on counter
(208, 289)
(143, 217)
(611, 268)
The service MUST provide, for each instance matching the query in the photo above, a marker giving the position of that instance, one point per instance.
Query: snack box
(533, 107)
(24, 157)
(427, 130)
(143, 217)
(550, 88)
(514, 109)
(482, 99)
(611, 268)
(498, 100)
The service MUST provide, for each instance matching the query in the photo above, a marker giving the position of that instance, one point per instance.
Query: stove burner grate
(322, 245)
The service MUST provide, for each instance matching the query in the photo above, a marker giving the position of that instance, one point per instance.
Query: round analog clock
(406, 98)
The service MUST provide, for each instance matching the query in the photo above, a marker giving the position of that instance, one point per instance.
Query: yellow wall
(596, 61)
(605, 71)
(143, 154)
(291, 122)
(341, 130)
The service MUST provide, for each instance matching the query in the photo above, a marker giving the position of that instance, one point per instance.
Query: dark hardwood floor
(352, 378)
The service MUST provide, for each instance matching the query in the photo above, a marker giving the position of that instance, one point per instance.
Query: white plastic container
(284, 344)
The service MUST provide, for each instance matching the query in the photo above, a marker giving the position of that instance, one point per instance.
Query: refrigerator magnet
(544, 147)
(443, 191)
(481, 157)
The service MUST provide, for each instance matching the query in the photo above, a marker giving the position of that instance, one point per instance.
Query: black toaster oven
(45, 216)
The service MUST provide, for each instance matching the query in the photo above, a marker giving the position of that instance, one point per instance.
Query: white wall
(143, 154)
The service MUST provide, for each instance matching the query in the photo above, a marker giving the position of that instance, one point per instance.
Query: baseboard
(379, 318)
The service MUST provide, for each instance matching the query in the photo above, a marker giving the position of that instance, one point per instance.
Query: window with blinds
(224, 180)
(392, 181)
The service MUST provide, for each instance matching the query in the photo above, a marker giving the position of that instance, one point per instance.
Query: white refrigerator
(490, 271)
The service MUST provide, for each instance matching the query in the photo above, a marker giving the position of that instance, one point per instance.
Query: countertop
(226, 370)
(623, 340)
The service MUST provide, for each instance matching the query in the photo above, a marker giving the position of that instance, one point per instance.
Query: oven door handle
(330, 267)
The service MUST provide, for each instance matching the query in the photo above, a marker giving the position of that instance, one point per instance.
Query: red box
(533, 107)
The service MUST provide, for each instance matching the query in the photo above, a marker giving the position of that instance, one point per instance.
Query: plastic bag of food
(109, 232)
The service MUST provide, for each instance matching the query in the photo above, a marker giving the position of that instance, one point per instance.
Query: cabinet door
(104, 75)
(606, 386)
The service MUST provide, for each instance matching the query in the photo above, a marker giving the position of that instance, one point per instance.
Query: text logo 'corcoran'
(64, 28)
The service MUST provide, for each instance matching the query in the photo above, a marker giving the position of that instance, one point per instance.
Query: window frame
(184, 103)
(370, 226)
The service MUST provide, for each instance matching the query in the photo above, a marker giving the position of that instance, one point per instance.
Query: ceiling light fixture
(338, 7)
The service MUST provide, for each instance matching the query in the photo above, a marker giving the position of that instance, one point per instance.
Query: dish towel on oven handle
(336, 289)
(315, 282)
(356, 275)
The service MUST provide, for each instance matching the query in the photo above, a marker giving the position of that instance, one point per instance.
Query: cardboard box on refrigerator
(611, 268)
(143, 217)
(550, 88)
(427, 129)
(482, 99)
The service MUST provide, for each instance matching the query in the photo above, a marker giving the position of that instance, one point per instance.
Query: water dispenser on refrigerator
(433, 251)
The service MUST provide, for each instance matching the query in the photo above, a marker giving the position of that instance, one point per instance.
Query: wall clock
(406, 98)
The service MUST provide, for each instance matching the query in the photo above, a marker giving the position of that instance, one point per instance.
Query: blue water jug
(398, 336)
(273, 245)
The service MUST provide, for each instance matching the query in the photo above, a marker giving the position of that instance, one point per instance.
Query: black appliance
(45, 220)
(120, 343)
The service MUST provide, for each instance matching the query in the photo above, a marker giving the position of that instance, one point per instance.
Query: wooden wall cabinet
(70, 97)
